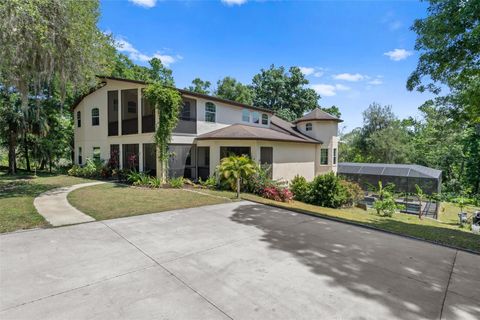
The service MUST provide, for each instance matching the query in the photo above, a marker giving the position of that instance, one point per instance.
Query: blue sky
(353, 52)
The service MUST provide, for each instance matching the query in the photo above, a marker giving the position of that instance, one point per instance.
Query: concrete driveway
(239, 261)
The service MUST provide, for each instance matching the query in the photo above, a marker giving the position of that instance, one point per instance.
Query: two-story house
(115, 120)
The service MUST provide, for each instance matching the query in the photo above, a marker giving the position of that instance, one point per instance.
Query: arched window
(79, 119)
(264, 118)
(210, 111)
(245, 115)
(256, 117)
(308, 127)
(95, 117)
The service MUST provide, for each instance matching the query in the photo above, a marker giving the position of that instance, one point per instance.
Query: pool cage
(403, 176)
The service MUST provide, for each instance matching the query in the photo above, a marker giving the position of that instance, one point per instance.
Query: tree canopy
(46, 40)
(229, 88)
(199, 86)
(276, 89)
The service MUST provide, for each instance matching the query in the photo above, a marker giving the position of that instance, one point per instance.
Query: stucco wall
(327, 132)
(289, 159)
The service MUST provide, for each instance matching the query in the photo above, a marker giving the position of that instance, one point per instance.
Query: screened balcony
(187, 122)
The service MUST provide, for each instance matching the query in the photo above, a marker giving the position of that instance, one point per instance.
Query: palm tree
(236, 168)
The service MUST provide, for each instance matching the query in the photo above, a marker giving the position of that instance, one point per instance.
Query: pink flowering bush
(277, 193)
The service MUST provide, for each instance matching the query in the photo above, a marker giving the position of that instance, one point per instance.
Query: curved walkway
(55, 208)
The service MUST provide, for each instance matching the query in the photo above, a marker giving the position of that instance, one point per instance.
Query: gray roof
(248, 132)
(384, 169)
(284, 126)
(318, 114)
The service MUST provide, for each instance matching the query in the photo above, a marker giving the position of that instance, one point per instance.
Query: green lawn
(110, 200)
(444, 231)
(16, 198)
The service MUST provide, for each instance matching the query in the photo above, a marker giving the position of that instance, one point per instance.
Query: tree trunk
(238, 188)
(25, 150)
(12, 143)
(42, 164)
(420, 209)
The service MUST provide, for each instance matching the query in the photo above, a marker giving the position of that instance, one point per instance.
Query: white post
(140, 157)
(120, 156)
(119, 112)
(139, 111)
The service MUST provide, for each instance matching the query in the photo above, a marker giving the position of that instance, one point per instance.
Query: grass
(445, 230)
(16, 198)
(110, 200)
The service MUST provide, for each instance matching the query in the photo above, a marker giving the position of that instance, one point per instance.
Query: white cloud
(144, 3)
(328, 90)
(398, 54)
(307, 70)
(234, 2)
(375, 82)
(349, 77)
(312, 71)
(126, 47)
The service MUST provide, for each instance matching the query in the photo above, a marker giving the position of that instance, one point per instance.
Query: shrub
(354, 193)
(326, 191)
(91, 169)
(385, 206)
(155, 182)
(210, 183)
(300, 189)
(277, 193)
(260, 180)
(138, 178)
(234, 169)
(176, 182)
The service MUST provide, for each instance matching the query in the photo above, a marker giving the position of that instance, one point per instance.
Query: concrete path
(55, 208)
(231, 261)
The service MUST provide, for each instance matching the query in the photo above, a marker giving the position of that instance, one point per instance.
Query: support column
(120, 156)
(139, 110)
(119, 112)
(140, 157)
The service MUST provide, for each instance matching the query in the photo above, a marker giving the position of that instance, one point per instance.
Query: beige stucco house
(114, 119)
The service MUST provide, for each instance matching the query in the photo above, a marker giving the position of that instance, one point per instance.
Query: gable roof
(182, 91)
(248, 132)
(384, 169)
(318, 114)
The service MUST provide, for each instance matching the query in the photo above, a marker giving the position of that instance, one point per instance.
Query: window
(210, 112)
(323, 156)
(79, 119)
(148, 116)
(187, 122)
(185, 113)
(80, 155)
(245, 115)
(129, 111)
(256, 117)
(95, 117)
(234, 151)
(264, 118)
(308, 127)
(335, 156)
(96, 153)
(112, 101)
(266, 159)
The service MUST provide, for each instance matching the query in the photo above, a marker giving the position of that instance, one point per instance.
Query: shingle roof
(289, 128)
(247, 132)
(383, 169)
(317, 114)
